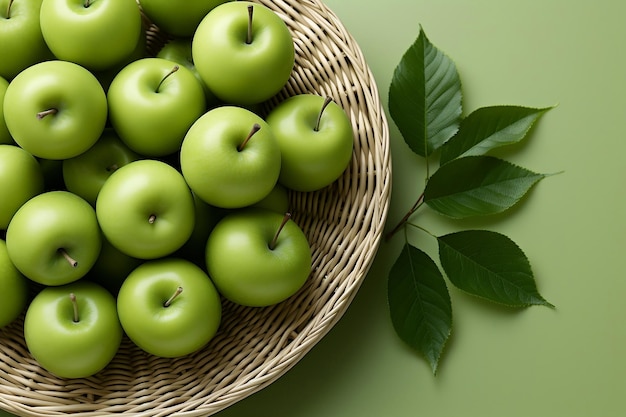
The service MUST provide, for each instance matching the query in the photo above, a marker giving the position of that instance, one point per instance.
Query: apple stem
(327, 101)
(249, 37)
(87, 3)
(68, 258)
(255, 128)
(9, 9)
(112, 168)
(152, 218)
(75, 305)
(176, 294)
(176, 67)
(45, 113)
(286, 218)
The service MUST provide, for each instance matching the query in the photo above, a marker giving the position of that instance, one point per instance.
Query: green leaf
(477, 185)
(425, 97)
(489, 265)
(419, 303)
(488, 128)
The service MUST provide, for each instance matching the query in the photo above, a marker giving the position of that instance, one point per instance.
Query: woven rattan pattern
(254, 346)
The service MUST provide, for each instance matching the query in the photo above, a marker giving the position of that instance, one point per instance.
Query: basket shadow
(322, 375)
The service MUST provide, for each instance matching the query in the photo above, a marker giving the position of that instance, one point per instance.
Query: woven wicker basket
(254, 346)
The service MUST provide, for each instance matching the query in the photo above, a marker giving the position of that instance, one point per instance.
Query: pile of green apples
(138, 193)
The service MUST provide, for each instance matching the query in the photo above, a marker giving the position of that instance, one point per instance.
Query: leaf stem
(417, 205)
(427, 164)
(423, 229)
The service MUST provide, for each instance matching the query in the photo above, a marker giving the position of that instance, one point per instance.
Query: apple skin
(106, 76)
(97, 36)
(150, 119)
(245, 269)
(14, 288)
(45, 225)
(237, 72)
(112, 267)
(217, 171)
(71, 349)
(206, 217)
(85, 174)
(136, 192)
(186, 325)
(277, 200)
(21, 40)
(21, 178)
(311, 159)
(176, 20)
(5, 136)
(179, 50)
(66, 87)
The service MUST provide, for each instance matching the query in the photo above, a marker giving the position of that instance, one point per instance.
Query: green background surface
(499, 362)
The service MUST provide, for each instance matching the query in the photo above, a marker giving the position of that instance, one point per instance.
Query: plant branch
(417, 205)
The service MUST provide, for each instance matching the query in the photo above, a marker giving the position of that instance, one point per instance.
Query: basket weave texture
(254, 346)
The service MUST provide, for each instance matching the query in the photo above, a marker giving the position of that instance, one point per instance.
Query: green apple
(107, 75)
(230, 157)
(55, 109)
(21, 41)
(96, 34)
(315, 138)
(176, 19)
(5, 136)
(85, 174)
(244, 52)
(112, 267)
(169, 307)
(145, 209)
(73, 330)
(258, 257)
(21, 178)
(14, 287)
(54, 238)
(179, 50)
(152, 104)
(277, 200)
(206, 217)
